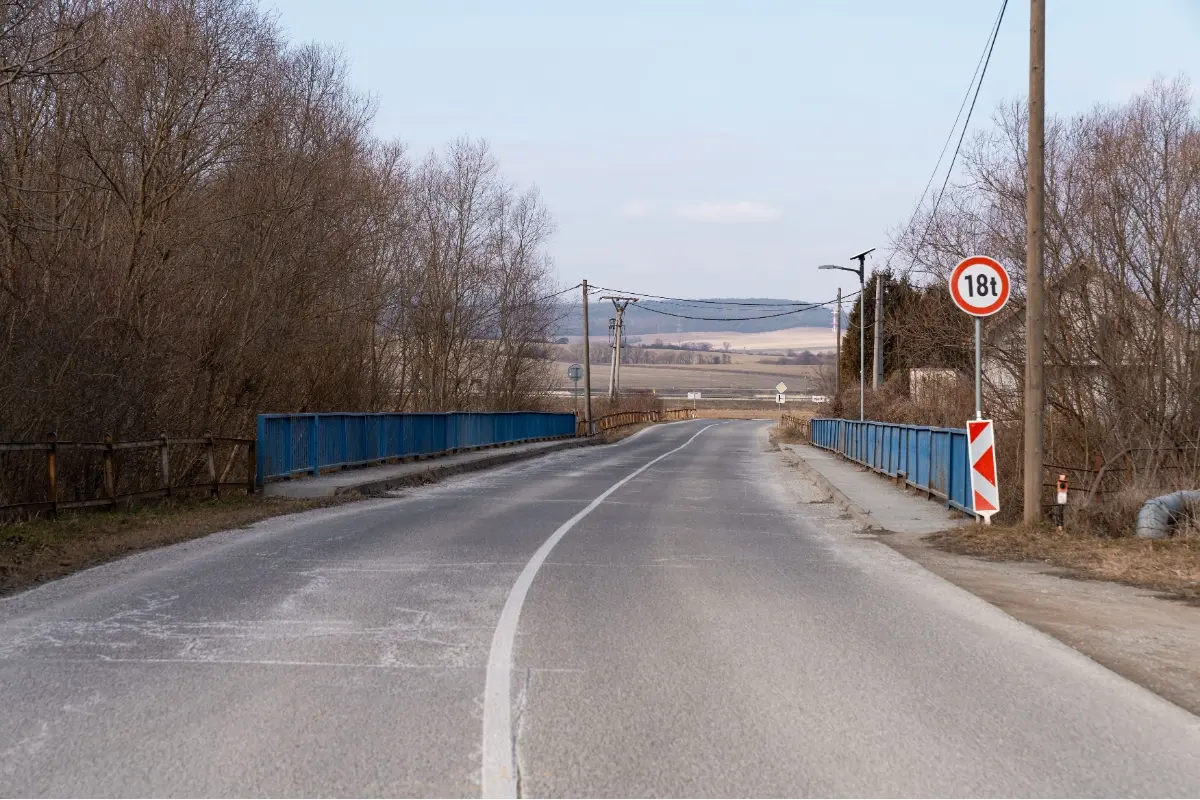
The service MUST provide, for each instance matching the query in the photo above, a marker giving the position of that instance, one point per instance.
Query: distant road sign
(575, 372)
(693, 396)
(820, 398)
(781, 387)
(780, 398)
(979, 286)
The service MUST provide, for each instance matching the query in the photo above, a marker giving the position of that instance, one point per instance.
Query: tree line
(199, 225)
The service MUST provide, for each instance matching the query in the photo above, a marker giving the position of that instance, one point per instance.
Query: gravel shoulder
(1139, 633)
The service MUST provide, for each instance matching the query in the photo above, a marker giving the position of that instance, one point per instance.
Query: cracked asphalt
(711, 628)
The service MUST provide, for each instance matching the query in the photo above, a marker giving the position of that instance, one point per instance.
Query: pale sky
(702, 148)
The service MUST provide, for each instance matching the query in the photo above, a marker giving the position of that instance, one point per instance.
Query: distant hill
(641, 318)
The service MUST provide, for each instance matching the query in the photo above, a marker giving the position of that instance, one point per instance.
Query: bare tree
(198, 225)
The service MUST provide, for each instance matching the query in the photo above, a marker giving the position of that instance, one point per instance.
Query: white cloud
(635, 210)
(745, 211)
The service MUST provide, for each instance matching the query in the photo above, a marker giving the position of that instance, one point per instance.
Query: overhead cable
(808, 307)
(980, 72)
(782, 304)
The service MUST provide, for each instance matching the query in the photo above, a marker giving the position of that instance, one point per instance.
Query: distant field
(814, 339)
(743, 376)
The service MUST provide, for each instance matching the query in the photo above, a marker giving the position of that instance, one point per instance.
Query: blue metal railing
(293, 444)
(933, 460)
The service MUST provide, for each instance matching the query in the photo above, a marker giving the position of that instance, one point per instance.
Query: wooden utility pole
(837, 371)
(877, 378)
(587, 366)
(1035, 323)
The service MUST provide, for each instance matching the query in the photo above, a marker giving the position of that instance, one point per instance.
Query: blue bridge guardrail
(932, 460)
(296, 444)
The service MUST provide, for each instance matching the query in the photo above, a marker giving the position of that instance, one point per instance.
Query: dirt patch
(41, 550)
(1170, 566)
(1138, 634)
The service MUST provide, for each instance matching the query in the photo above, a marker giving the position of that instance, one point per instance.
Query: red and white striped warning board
(981, 452)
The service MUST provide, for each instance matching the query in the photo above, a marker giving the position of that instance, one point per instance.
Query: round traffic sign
(979, 286)
(575, 372)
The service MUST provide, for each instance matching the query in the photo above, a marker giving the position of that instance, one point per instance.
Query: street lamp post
(861, 258)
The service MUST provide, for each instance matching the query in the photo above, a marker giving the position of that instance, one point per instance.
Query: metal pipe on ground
(1159, 515)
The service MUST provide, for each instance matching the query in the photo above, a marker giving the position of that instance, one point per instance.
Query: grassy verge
(1170, 566)
(786, 434)
(41, 550)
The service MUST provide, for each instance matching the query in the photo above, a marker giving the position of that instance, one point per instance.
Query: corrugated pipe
(1160, 514)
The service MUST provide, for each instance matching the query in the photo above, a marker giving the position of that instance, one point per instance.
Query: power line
(783, 304)
(985, 60)
(501, 308)
(808, 307)
(950, 133)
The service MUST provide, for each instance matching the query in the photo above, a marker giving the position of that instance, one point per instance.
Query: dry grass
(1171, 566)
(41, 550)
(809, 338)
(738, 413)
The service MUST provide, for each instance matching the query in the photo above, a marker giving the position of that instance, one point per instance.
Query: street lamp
(862, 308)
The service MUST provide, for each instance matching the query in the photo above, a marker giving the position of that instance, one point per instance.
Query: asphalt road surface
(707, 627)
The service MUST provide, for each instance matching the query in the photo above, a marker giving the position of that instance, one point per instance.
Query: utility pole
(620, 304)
(837, 372)
(861, 272)
(878, 376)
(862, 336)
(612, 359)
(617, 351)
(1035, 301)
(587, 366)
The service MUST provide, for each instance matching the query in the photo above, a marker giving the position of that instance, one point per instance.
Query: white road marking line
(499, 764)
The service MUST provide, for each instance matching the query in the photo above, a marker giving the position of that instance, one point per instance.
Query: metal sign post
(575, 372)
(980, 287)
(978, 369)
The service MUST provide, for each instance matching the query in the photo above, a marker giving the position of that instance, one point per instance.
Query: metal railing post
(314, 445)
(165, 459)
(210, 449)
(110, 487)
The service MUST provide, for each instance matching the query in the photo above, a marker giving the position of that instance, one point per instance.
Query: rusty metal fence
(624, 418)
(107, 473)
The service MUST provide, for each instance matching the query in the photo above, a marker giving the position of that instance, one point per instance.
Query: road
(705, 628)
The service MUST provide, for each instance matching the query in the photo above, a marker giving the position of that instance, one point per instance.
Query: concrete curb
(860, 514)
(437, 472)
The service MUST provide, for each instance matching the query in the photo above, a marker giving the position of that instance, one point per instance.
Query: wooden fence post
(110, 484)
(52, 472)
(165, 459)
(251, 461)
(212, 464)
